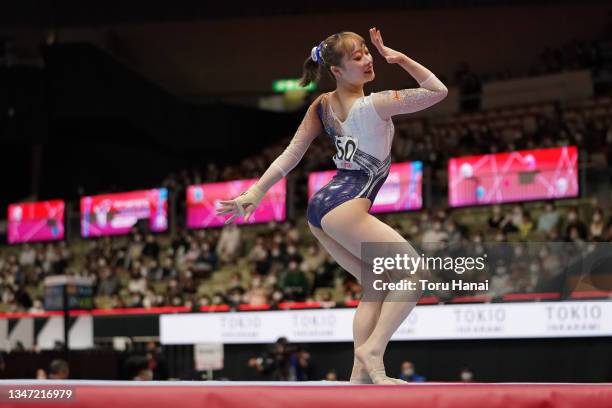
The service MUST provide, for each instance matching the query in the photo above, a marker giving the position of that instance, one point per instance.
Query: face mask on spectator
(408, 372)
(466, 376)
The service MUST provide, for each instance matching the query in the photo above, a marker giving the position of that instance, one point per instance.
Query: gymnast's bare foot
(372, 362)
(359, 374)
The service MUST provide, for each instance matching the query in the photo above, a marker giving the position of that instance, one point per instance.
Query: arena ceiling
(50, 13)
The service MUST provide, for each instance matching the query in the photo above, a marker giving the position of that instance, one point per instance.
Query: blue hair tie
(315, 53)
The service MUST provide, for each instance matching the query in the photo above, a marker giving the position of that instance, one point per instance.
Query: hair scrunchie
(315, 53)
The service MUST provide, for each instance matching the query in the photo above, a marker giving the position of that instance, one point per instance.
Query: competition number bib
(346, 146)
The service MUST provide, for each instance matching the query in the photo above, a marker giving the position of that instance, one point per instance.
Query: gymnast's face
(357, 65)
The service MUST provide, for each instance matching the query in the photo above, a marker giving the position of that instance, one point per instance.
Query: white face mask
(408, 372)
(466, 376)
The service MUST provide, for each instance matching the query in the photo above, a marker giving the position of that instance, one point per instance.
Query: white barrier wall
(436, 322)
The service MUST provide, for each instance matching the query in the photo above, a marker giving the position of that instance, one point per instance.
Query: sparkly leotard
(363, 145)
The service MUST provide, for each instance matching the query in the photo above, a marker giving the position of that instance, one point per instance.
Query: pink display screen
(514, 176)
(39, 221)
(203, 199)
(118, 213)
(401, 191)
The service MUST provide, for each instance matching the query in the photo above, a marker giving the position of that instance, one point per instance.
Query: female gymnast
(361, 130)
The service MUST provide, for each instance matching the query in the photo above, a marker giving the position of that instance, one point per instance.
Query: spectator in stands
(409, 373)
(134, 300)
(434, 238)
(575, 229)
(352, 289)
(278, 296)
(41, 374)
(274, 363)
(326, 273)
(235, 297)
(117, 302)
(331, 375)
(138, 280)
(256, 294)
(300, 368)
(466, 375)
(151, 247)
(167, 270)
(229, 243)
(108, 284)
(37, 306)
(549, 219)
(137, 368)
(205, 262)
(156, 362)
(27, 255)
(597, 226)
(291, 231)
(134, 250)
(150, 299)
(293, 254)
(574, 235)
(425, 221)
(235, 281)
(217, 299)
(453, 233)
(204, 301)
(294, 283)
(259, 255)
(59, 370)
(525, 226)
(496, 217)
(512, 220)
(326, 300)
(500, 282)
(22, 298)
(314, 258)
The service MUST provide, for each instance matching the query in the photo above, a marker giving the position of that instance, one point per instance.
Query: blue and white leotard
(363, 156)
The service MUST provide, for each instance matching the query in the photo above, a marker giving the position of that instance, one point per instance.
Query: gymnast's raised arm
(246, 203)
(390, 103)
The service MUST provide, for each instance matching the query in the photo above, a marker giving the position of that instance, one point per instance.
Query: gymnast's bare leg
(350, 224)
(367, 313)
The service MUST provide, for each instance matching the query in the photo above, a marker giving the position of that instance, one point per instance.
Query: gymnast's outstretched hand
(244, 205)
(392, 56)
